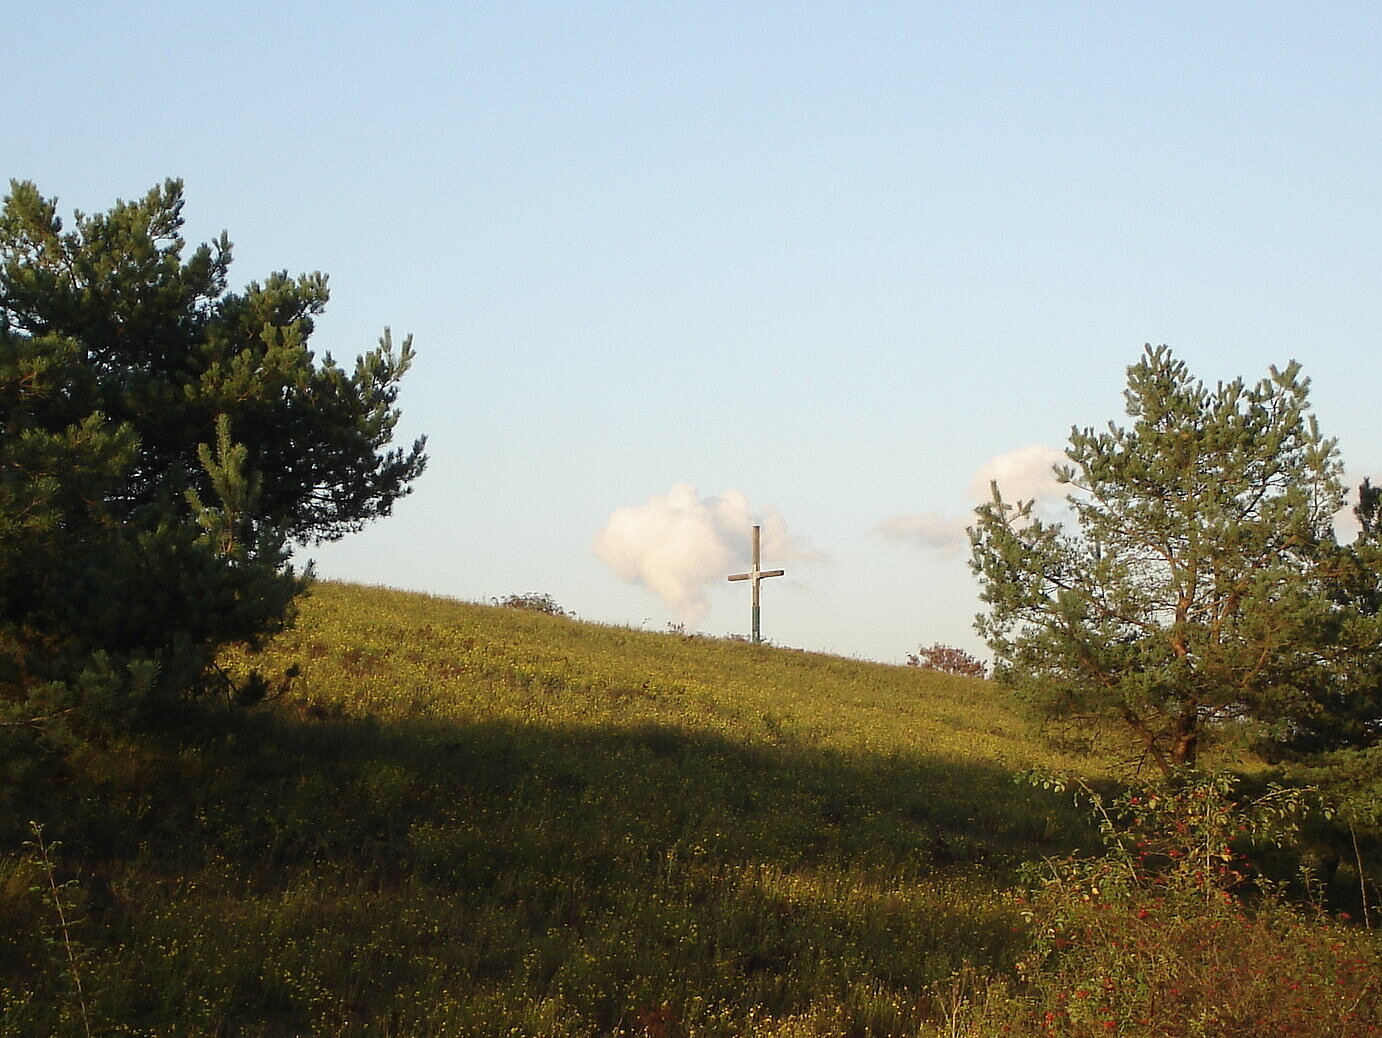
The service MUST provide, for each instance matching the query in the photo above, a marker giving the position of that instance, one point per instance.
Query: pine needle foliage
(1197, 581)
(164, 444)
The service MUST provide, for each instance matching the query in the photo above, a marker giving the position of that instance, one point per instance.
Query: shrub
(948, 660)
(534, 603)
(1169, 934)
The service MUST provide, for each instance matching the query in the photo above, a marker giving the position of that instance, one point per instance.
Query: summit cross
(757, 575)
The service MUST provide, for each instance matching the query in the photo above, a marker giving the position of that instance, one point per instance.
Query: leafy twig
(43, 855)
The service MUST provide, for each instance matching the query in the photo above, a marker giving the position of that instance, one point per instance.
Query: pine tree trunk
(1186, 742)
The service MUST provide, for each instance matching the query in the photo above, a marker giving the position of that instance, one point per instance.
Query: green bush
(1171, 933)
(533, 602)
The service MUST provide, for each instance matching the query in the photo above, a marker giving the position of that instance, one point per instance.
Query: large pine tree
(164, 443)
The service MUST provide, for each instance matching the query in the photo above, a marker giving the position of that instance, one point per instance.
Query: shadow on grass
(329, 789)
(282, 874)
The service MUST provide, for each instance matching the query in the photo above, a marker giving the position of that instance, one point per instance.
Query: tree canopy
(164, 445)
(1197, 578)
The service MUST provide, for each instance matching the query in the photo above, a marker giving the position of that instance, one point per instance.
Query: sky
(675, 269)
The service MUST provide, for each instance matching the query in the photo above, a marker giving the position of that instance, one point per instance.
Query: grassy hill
(470, 820)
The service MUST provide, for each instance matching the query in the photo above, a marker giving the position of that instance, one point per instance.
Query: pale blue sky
(832, 257)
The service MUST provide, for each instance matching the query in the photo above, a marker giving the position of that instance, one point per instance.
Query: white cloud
(944, 533)
(1026, 474)
(679, 544)
(1022, 474)
(1346, 525)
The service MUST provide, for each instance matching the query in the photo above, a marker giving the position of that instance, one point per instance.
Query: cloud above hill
(1346, 525)
(1026, 474)
(680, 544)
(944, 533)
(1023, 474)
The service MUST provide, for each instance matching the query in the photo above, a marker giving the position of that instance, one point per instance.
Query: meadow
(460, 819)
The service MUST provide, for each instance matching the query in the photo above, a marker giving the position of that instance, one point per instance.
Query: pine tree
(164, 444)
(1201, 581)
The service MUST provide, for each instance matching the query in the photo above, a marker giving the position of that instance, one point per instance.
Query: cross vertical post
(756, 574)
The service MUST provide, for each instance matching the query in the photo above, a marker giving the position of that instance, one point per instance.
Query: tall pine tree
(164, 443)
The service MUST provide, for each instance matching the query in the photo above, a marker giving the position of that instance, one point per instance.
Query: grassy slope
(470, 820)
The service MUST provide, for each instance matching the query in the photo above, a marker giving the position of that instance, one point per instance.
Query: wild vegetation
(463, 819)
(476, 820)
(948, 660)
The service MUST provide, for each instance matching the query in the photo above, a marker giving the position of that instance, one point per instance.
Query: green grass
(468, 820)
